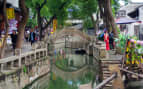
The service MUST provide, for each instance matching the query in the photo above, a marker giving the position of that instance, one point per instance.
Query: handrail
(114, 75)
(13, 58)
(139, 75)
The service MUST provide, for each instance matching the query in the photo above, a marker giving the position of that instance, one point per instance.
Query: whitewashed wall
(13, 2)
(130, 29)
(141, 13)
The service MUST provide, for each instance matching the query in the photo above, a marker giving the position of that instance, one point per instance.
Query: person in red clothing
(106, 40)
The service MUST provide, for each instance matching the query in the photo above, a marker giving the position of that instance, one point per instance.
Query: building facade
(133, 16)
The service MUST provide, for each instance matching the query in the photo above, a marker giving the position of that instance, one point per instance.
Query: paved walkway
(25, 48)
(85, 86)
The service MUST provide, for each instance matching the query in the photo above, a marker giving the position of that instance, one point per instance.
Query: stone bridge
(71, 38)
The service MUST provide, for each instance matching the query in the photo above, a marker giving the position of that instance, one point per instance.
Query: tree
(107, 15)
(84, 9)
(22, 23)
(48, 9)
(2, 50)
(126, 1)
(37, 7)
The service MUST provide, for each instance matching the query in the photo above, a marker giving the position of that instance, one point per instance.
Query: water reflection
(68, 73)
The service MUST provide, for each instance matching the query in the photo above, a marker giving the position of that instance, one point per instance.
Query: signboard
(10, 13)
(54, 25)
(1, 42)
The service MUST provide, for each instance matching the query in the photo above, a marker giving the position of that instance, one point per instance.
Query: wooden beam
(130, 72)
(101, 85)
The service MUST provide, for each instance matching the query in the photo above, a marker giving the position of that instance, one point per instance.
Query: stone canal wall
(19, 71)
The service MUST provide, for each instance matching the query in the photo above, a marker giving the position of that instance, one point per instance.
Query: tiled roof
(130, 7)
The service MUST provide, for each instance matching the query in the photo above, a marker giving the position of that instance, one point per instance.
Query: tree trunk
(22, 23)
(111, 18)
(39, 22)
(2, 50)
(108, 18)
(94, 23)
(97, 21)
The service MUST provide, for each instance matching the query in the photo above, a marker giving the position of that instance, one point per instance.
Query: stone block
(17, 52)
(102, 52)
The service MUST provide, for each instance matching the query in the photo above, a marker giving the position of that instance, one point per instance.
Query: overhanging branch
(45, 1)
(54, 16)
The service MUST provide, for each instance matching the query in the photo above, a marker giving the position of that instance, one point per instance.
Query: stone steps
(105, 71)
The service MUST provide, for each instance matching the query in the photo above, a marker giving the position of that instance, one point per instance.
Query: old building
(128, 23)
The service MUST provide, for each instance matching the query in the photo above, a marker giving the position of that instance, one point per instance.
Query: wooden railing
(101, 85)
(115, 77)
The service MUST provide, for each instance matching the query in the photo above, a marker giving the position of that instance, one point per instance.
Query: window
(122, 13)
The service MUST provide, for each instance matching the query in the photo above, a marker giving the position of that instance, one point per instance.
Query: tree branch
(45, 1)
(54, 16)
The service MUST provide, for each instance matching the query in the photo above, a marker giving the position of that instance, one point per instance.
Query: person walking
(14, 39)
(111, 40)
(106, 40)
(32, 37)
(27, 35)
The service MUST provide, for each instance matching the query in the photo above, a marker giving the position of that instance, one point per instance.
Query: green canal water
(69, 62)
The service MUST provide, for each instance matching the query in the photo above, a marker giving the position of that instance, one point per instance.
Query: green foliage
(45, 12)
(87, 78)
(32, 23)
(126, 1)
(24, 69)
(121, 41)
(87, 23)
(84, 10)
(54, 8)
(88, 7)
(115, 5)
(62, 64)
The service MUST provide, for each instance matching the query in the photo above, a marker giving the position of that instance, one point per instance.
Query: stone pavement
(85, 86)
(25, 48)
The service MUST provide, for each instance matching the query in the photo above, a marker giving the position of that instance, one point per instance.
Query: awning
(126, 21)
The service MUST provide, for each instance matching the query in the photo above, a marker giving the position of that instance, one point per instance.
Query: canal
(70, 69)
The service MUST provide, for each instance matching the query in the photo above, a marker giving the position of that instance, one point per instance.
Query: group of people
(29, 38)
(109, 40)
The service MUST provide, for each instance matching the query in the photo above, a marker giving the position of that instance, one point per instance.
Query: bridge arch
(71, 32)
